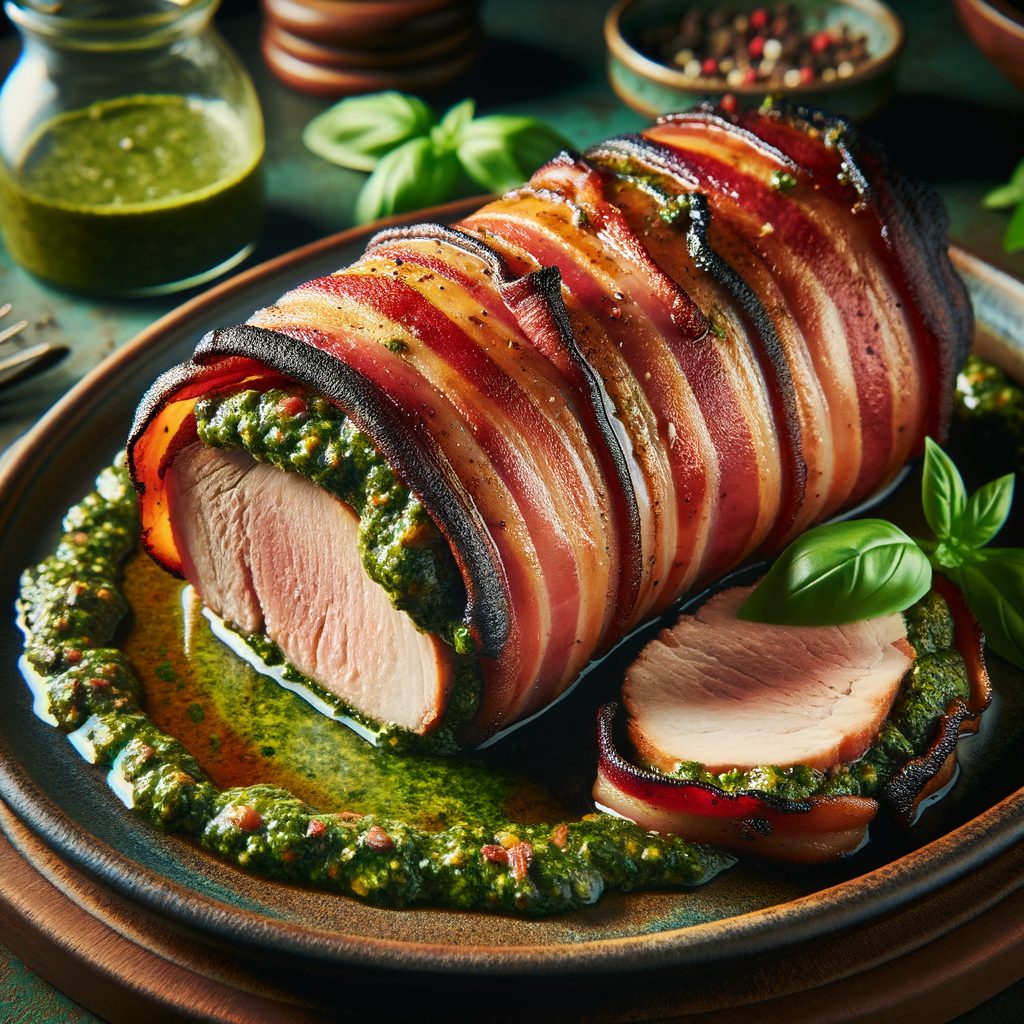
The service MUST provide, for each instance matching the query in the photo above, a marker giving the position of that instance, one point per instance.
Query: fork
(25, 362)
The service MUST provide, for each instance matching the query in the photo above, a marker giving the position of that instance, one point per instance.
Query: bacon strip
(615, 383)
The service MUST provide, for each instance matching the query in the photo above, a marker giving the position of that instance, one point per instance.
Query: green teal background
(954, 121)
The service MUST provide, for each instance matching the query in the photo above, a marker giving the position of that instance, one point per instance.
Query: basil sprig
(417, 160)
(992, 579)
(844, 572)
(359, 131)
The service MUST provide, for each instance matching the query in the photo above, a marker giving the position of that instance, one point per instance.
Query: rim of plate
(824, 913)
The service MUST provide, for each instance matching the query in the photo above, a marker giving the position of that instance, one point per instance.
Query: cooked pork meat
(646, 365)
(733, 694)
(777, 714)
(272, 552)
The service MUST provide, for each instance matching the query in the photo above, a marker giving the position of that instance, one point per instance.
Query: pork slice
(270, 551)
(732, 694)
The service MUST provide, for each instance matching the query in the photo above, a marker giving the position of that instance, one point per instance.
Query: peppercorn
(720, 49)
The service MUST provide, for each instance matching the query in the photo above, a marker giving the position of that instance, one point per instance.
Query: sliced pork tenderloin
(731, 694)
(270, 551)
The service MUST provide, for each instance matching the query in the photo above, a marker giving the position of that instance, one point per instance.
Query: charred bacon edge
(545, 285)
(373, 413)
(153, 401)
(678, 794)
(907, 786)
(914, 227)
(772, 359)
(653, 156)
(707, 113)
(451, 236)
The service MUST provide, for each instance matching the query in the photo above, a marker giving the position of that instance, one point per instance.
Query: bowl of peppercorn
(668, 55)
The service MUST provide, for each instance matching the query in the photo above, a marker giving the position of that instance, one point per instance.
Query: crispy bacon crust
(613, 384)
(802, 831)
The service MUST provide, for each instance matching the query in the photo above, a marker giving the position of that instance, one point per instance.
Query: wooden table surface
(954, 122)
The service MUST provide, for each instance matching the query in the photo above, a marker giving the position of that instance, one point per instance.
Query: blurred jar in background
(130, 146)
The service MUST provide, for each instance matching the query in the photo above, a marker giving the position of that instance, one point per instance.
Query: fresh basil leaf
(942, 492)
(501, 151)
(842, 572)
(986, 512)
(359, 131)
(1006, 195)
(1013, 240)
(992, 580)
(447, 134)
(414, 175)
(1009, 194)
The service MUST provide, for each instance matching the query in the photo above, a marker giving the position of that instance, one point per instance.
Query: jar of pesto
(130, 146)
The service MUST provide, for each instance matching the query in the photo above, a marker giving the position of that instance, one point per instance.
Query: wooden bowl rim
(996, 17)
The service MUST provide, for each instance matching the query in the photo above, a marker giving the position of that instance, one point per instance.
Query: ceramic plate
(748, 910)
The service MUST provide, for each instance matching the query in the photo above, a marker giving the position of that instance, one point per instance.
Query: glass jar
(130, 146)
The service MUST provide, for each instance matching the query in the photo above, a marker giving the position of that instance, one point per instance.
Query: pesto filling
(938, 677)
(69, 609)
(990, 413)
(401, 547)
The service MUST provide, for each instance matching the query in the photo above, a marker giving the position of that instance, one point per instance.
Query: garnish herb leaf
(418, 158)
(942, 492)
(843, 572)
(447, 134)
(992, 580)
(1013, 240)
(501, 151)
(416, 174)
(1010, 194)
(986, 512)
(358, 132)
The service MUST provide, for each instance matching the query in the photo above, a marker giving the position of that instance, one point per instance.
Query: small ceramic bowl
(652, 88)
(998, 30)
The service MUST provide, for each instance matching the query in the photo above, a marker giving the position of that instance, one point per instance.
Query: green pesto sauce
(415, 829)
(462, 703)
(400, 546)
(131, 193)
(990, 411)
(671, 204)
(938, 677)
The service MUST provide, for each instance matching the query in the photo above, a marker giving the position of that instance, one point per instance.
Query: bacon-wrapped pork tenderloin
(603, 390)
